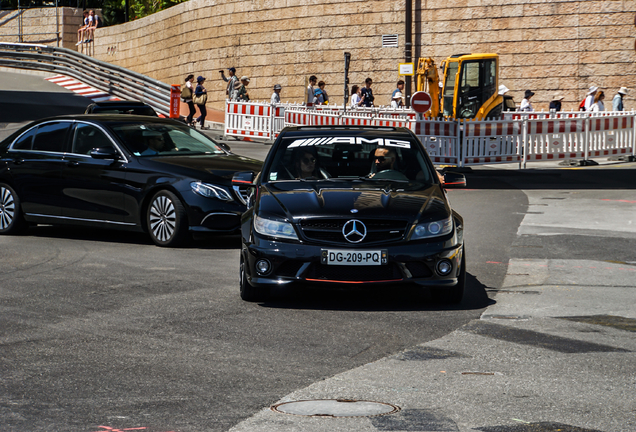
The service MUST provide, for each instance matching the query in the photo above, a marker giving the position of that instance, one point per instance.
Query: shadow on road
(593, 177)
(220, 241)
(20, 106)
(375, 299)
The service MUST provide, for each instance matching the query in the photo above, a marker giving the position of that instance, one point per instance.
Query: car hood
(221, 166)
(426, 204)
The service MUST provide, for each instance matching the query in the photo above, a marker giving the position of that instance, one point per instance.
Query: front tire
(248, 292)
(167, 220)
(453, 295)
(11, 218)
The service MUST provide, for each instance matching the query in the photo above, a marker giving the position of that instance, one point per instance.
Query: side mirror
(453, 179)
(104, 153)
(225, 146)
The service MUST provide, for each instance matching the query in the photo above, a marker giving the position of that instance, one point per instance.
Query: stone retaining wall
(44, 22)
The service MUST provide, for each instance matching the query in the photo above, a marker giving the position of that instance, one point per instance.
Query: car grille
(289, 268)
(354, 273)
(330, 230)
(419, 269)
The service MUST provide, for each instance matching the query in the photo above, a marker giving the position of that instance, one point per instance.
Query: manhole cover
(335, 408)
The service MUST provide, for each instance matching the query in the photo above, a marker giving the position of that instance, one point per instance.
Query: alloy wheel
(163, 218)
(7, 208)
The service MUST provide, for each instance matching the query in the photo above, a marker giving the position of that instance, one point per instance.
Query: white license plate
(353, 257)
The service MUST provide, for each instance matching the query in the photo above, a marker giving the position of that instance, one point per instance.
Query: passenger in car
(305, 163)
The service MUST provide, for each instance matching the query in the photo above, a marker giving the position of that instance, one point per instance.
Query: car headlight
(210, 191)
(433, 229)
(274, 228)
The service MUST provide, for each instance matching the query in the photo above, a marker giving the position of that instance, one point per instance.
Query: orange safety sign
(175, 102)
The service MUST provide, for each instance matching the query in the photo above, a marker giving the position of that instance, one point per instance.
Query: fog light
(262, 267)
(444, 267)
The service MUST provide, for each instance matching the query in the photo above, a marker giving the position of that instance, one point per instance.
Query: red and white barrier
(487, 142)
(520, 137)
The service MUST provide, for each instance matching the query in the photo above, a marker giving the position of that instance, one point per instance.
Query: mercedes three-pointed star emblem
(354, 231)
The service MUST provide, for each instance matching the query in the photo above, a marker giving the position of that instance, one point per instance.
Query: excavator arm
(428, 81)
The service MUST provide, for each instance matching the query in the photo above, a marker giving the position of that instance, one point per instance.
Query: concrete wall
(271, 41)
(28, 22)
(556, 46)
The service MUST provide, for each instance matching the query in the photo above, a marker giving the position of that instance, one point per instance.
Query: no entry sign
(421, 102)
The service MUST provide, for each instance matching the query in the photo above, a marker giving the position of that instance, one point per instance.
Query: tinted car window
(25, 142)
(51, 137)
(159, 139)
(88, 137)
(341, 158)
(147, 111)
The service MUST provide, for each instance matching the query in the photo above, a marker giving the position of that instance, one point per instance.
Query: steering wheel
(390, 174)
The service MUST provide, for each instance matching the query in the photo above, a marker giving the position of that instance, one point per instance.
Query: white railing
(519, 137)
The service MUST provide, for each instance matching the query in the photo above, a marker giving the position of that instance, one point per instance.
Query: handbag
(186, 93)
(200, 100)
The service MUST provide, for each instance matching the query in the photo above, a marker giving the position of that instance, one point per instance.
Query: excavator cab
(470, 87)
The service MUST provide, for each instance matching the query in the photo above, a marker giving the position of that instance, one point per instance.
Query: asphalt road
(103, 329)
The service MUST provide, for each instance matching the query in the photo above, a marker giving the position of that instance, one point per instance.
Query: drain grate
(335, 408)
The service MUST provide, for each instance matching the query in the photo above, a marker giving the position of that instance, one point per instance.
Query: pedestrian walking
(242, 93)
(231, 81)
(200, 99)
(617, 102)
(399, 89)
(598, 102)
(396, 102)
(322, 98)
(187, 94)
(526, 106)
(356, 99)
(367, 93)
(310, 97)
(589, 99)
(555, 103)
(276, 94)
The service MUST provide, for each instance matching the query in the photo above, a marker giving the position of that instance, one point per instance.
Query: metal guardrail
(115, 80)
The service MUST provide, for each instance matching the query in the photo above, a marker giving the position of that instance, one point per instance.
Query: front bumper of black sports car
(417, 262)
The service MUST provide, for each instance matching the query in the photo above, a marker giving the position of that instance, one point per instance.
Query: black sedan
(120, 171)
(350, 206)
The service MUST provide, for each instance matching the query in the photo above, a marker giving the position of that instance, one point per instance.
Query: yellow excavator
(470, 86)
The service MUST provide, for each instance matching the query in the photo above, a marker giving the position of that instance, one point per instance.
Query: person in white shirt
(589, 99)
(396, 101)
(310, 98)
(598, 102)
(356, 100)
(276, 94)
(525, 103)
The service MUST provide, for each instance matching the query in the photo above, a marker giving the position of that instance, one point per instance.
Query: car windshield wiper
(366, 178)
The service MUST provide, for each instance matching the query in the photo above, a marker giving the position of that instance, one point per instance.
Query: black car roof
(119, 103)
(111, 117)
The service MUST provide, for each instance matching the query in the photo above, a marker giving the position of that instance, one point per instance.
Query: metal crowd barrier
(106, 77)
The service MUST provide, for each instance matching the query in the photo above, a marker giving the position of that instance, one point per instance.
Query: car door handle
(72, 163)
(18, 161)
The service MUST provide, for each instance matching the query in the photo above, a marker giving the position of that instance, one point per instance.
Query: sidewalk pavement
(555, 353)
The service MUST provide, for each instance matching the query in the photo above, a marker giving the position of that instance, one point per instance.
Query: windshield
(159, 139)
(353, 157)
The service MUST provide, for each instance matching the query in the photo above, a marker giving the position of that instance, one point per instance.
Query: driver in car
(384, 159)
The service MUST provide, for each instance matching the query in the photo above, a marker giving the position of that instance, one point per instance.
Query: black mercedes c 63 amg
(347, 206)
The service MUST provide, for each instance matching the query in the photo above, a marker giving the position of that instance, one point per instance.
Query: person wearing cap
(589, 99)
(242, 94)
(231, 81)
(555, 103)
(617, 102)
(525, 103)
(396, 101)
(276, 94)
(201, 97)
